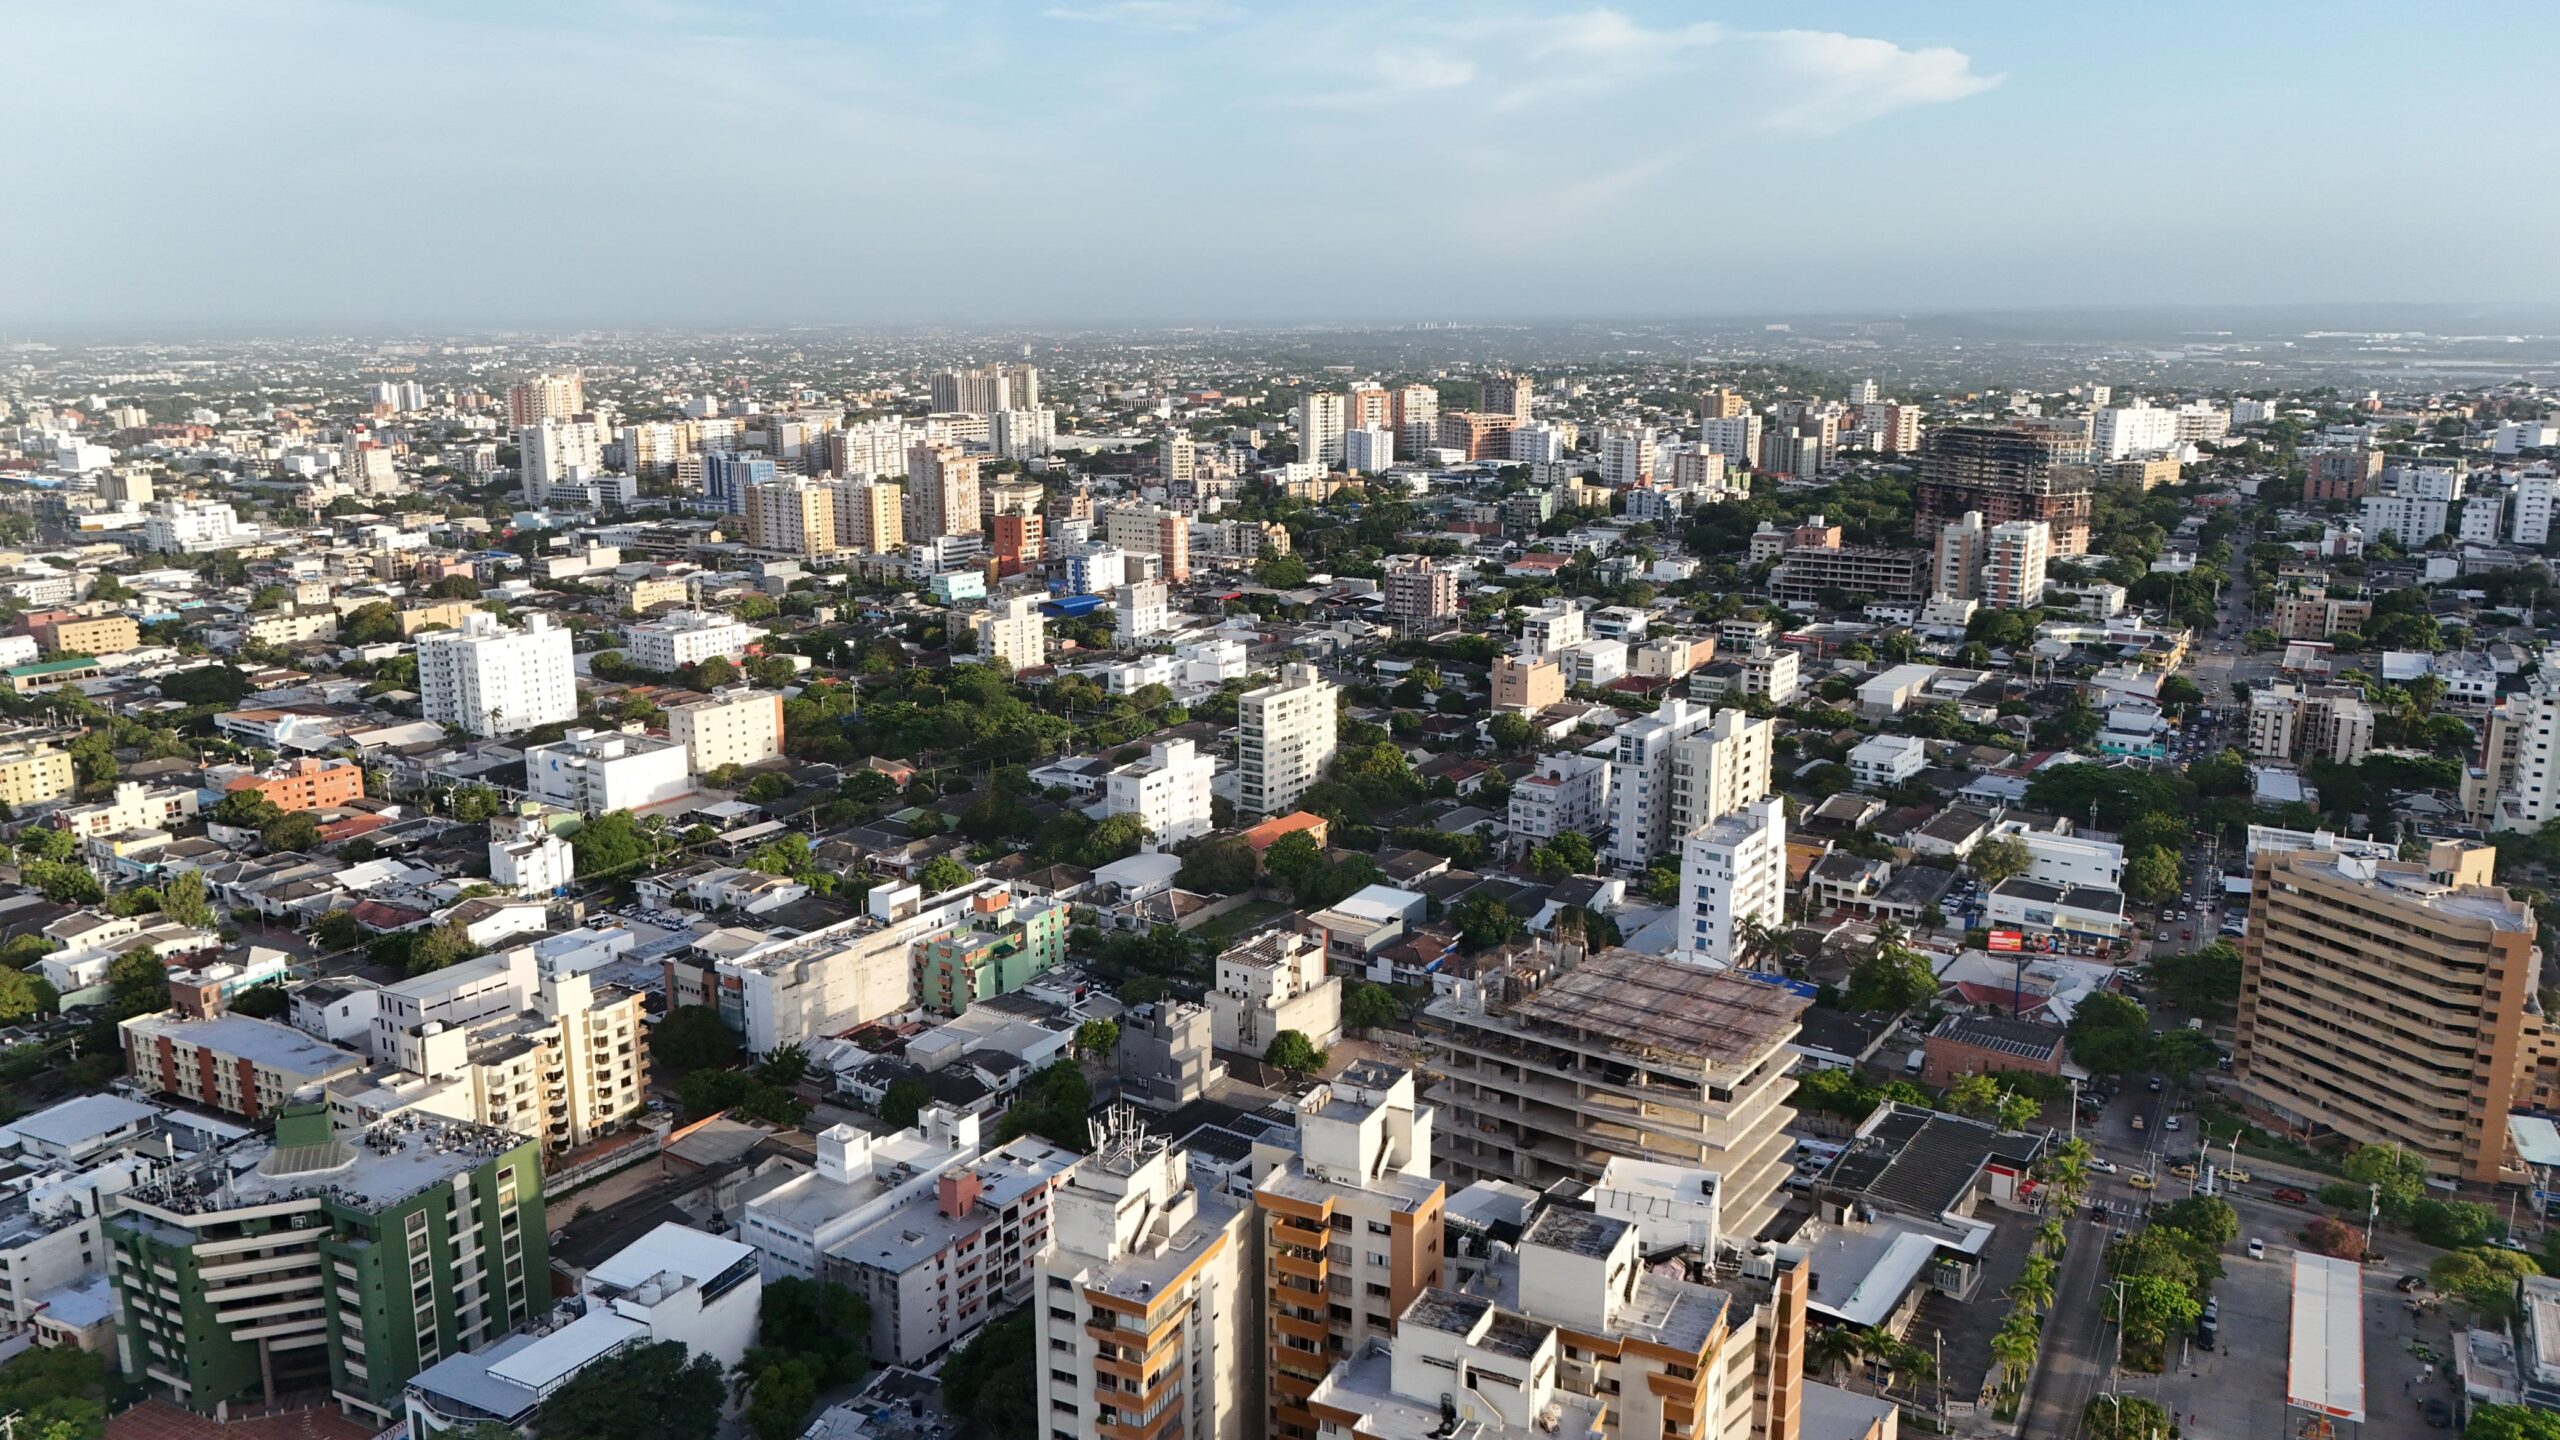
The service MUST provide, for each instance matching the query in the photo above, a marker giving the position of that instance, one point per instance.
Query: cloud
(1392, 78)
(1836, 81)
(1174, 15)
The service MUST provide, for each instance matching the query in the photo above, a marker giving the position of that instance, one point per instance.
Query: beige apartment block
(2389, 1002)
(733, 727)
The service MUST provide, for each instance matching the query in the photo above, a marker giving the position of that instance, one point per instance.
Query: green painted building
(1005, 945)
(318, 1261)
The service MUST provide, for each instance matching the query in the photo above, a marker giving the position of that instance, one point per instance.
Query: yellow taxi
(2138, 1181)
(2183, 1172)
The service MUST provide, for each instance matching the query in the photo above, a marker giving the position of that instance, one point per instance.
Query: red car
(2291, 1196)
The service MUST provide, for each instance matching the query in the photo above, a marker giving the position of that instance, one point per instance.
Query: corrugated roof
(2326, 1370)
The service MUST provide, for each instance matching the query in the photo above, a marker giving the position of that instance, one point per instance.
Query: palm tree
(2014, 1347)
(2050, 1236)
(1763, 944)
(2034, 1287)
(1833, 1348)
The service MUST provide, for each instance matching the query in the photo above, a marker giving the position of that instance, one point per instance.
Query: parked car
(2288, 1195)
(2206, 1330)
(2171, 1122)
(2257, 1248)
(2183, 1172)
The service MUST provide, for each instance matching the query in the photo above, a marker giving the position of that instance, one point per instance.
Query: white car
(2257, 1249)
(2172, 1122)
(2102, 1165)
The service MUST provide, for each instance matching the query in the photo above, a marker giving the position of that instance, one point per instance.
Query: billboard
(2008, 941)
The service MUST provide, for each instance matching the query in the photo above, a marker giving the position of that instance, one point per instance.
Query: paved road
(2076, 1360)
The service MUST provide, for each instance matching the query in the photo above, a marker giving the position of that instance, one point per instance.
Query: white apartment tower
(1719, 768)
(2530, 525)
(2014, 559)
(526, 857)
(555, 452)
(1013, 630)
(1288, 738)
(1368, 450)
(1143, 609)
(1168, 791)
(1320, 428)
(1641, 784)
(1958, 564)
(1145, 1302)
(1732, 870)
(1626, 456)
(490, 680)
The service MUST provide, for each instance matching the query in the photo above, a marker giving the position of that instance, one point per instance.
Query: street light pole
(2372, 1212)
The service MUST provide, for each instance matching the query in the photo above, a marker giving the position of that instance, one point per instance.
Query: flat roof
(80, 1120)
(698, 1257)
(2536, 1139)
(1644, 1003)
(2325, 1372)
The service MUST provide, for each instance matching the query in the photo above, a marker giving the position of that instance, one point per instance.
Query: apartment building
(1351, 1232)
(2310, 614)
(230, 1063)
(1719, 768)
(1956, 562)
(1525, 686)
(687, 637)
(1147, 530)
(1002, 945)
(1643, 788)
(33, 772)
(870, 516)
(2333, 474)
(550, 395)
(2310, 722)
(1140, 610)
(2007, 473)
(308, 783)
(1812, 574)
(592, 772)
(1286, 738)
(1272, 982)
(566, 1071)
(942, 491)
(2516, 785)
(1013, 629)
(938, 1266)
(64, 634)
(1320, 427)
(131, 806)
(1422, 595)
(270, 1267)
(1733, 876)
(793, 516)
(1622, 1056)
(1565, 792)
(2389, 1002)
(1168, 791)
(1018, 540)
(2013, 567)
(527, 856)
(1145, 1305)
(490, 680)
(727, 727)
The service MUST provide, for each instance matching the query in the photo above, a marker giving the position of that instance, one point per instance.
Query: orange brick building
(307, 784)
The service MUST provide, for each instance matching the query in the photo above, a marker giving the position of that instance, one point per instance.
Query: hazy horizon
(301, 167)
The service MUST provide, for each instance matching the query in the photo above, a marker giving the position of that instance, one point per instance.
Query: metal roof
(2326, 1371)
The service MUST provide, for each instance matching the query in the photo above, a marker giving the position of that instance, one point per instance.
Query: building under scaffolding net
(1623, 1055)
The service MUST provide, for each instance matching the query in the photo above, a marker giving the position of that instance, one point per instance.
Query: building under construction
(2007, 473)
(1623, 1055)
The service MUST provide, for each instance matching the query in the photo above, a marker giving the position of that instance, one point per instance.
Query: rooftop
(1645, 1004)
(388, 1163)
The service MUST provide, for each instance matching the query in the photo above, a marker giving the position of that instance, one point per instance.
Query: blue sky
(306, 163)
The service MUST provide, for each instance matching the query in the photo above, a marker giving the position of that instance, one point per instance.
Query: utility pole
(2372, 1212)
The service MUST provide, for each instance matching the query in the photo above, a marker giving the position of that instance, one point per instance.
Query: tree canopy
(649, 1392)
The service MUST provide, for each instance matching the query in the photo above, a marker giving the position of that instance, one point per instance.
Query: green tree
(375, 623)
(1892, 979)
(2401, 1175)
(943, 873)
(822, 1323)
(1977, 1096)
(1296, 861)
(137, 983)
(2208, 1218)
(2511, 1422)
(2484, 1279)
(2151, 876)
(902, 1102)
(299, 830)
(782, 1394)
(991, 1382)
(1116, 838)
(1098, 1039)
(691, 1038)
(1218, 867)
(2450, 1224)
(1367, 1006)
(184, 900)
(1484, 922)
(25, 995)
(337, 930)
(246, 809)
(2181, 1053)
(2203, 983)
(1998, 858)
(650, 1392)
(1292, 1051)
(2151, 1308)
(611, 844)
(2109, 1035)
(787, 1066)
(44, 842)
(2125, 1417)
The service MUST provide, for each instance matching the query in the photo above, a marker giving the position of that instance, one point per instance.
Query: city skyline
(1199, 161)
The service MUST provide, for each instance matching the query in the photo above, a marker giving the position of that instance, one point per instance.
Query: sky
(460, 164)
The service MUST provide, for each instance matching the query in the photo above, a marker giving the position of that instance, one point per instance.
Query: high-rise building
(2530, 524)
(2014, 556)
(986, 389)
(1365, 406)
(1722, 404)
(1626, 456)
(1625, 1055)
(727, 727)
(794, 516)
(1526, 685)
(2321, 722)
(2389, 1002)
(2136, 429)
(1422, 595)
(1366, 450)
(551, 395)
(1351, 1232)
(2516, 785)
(1142, 608)
(1145, 1310)
(1736, 437)
(1413, 412)
(1863, 392)
(491, 680)
(1719, 768)
(1507, 394)
(2007, 473)
(2339, 472)
(1733, 875)
(1168, 791)
(942, 491)
(871, 516)
(248, 1273)
(1148, 530)
(556, 452)
(1287, 732)
(1179, 454)
(1477, 435)
(728, 475)
(1014, 631)
(1016, 540)
(1957, 565)
(1320, 428)
(1642, 787)
(649, 451)
(1022, 434)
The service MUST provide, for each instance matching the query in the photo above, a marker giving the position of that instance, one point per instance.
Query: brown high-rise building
(1017, 539)
(1483, 436)
(547, 396)
(1722, 405)
(942, 492)
(2007, 474)
(2389, 1002)
(1507, 394)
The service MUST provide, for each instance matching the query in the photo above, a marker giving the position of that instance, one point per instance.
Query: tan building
(2150, 474)
(646, 591)
(871, 516)
(1526, 686)
(2389, 1002)
(1481, 436)
(1351, 1231)
(1145, 1308)
(942, 491)
(32, 774)
(1146, 530)
(447, 614)
(2309, 614)
(733, 727)
(89, 635)
(795, 517)
(565, 1071)
(1722, 405)
(1623, 1055)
